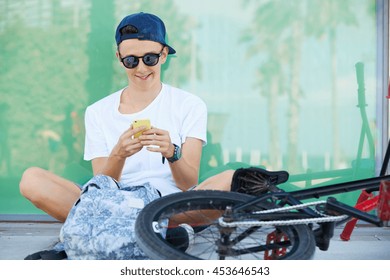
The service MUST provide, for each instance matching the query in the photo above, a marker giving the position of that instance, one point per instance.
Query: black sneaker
(256, 181)
(182, 237)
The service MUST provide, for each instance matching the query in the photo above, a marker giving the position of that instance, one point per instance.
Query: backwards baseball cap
(146, 26)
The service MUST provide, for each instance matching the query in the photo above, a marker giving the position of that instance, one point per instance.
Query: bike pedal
(275, 253)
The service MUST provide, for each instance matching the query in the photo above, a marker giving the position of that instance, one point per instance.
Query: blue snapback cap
(149, 27)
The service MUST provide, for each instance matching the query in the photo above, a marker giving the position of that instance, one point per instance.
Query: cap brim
(171, 50)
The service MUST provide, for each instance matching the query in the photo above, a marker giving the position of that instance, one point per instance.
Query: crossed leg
(56, 195)
(221, 182)
(49, 192)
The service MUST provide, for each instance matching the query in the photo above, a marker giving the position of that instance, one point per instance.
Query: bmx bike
(229, 225)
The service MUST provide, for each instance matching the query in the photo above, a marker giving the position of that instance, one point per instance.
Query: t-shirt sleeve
(95, 145)
(195, 121)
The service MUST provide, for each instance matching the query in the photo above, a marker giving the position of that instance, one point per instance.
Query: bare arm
(113, 164)
(185, 171)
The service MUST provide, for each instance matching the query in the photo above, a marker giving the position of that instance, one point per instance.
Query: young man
(167, 155)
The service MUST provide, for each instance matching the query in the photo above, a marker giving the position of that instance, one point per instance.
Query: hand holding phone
(139, 123)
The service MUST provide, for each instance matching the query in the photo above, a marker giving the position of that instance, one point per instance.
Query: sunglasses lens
(150, 59)
(130, 61)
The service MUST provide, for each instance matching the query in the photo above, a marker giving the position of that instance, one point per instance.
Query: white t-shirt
(179, 112)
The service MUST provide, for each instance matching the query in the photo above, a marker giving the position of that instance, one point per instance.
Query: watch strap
(176, 154)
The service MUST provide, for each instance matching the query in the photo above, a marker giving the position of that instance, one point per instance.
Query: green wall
(278, 77)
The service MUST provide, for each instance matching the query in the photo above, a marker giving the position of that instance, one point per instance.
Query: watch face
(177, 152)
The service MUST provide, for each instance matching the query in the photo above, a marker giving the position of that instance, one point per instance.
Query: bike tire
(153, 221)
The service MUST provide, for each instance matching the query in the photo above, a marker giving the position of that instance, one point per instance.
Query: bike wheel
(201, 210)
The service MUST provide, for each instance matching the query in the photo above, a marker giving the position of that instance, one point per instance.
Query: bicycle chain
(324, 219)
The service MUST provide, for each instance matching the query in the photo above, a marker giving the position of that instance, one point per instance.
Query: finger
(127, 133)
(156, 131)
(137, 132)
(153, 149)
(129, 141)
(155, 144)
(134, 147)
(146, 136)
(130, 132)
(156, 140)
(149, 137)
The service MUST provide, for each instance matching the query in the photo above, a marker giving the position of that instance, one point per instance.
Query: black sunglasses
(149, 59)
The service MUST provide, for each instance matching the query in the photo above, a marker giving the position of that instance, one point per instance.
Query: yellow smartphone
(138, 123)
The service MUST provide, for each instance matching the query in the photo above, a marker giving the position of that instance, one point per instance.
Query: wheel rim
(215, 242)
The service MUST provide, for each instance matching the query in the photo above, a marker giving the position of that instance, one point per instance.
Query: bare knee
(49, 192)
(226, 178)
(222, 181)
(31, 178)
(228, 174)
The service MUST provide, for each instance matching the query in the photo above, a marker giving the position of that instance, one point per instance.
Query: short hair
(129, 29)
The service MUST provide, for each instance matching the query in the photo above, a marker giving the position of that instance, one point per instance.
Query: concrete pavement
(17, 240)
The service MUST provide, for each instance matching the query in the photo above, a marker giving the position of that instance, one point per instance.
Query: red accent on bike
(384, 201)
(272, 238)
(366, 202)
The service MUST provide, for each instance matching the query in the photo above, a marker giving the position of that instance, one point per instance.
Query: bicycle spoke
(245, 234)
(209, 240)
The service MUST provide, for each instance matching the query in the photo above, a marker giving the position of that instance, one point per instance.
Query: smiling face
(143, 77)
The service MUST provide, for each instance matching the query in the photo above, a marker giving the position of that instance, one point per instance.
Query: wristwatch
(176, 154)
